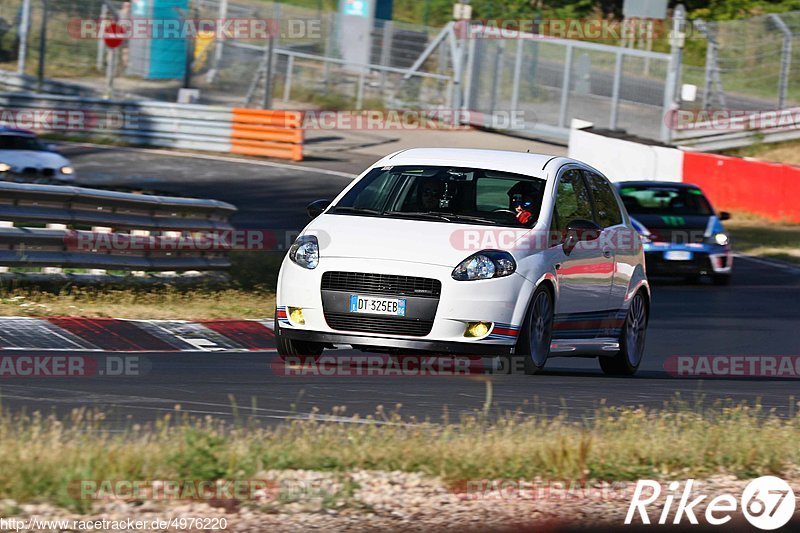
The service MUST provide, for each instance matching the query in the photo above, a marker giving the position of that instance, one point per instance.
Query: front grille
(379, 324)
(381, 284)
(48, 172)
(30, 171)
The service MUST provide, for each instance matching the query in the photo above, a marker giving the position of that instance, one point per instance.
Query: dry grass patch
(42, 457)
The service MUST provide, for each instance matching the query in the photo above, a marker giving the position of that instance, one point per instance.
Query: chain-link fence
(552, 81)
(750, 64)
(746, 64)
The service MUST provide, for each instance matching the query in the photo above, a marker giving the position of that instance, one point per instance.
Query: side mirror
(316, 208)
(580, 230)
(51, 147)
(724, 215)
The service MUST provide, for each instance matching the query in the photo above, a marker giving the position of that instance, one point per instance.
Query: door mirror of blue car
(724, 215)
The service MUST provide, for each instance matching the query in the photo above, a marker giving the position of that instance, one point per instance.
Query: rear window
(664, 200)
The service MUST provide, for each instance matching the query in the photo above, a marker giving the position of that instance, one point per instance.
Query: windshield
(20, 142)
(665, 200)
(446, 194)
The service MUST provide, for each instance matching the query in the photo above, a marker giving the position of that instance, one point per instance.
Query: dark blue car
(682, 234)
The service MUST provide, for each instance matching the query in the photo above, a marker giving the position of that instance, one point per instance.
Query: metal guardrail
(162, 124)
(73, 215)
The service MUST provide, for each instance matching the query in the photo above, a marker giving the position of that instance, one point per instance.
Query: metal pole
(218, 46)
(101, 43)
(517, 74)
(562, 115)
(287, 84)
(23, 35)
(42, 47)
(111, 67)
(266, 101)
(612, 122)
(360, 93)
(386, 48)
(786, 60)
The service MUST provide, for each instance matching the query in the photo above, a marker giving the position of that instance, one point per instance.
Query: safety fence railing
(52, 228)
(162, 124)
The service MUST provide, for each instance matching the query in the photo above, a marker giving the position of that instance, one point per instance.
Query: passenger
(522, 200)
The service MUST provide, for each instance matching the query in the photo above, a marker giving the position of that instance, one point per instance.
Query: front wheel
(534, 340)
(626, 362)
(299, 350)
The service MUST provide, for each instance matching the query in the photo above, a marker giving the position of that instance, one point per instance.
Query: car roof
(503, 160)
(645, 183)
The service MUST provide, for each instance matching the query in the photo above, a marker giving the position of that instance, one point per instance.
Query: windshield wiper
(356, 210)
(431, 215)
(470, 218)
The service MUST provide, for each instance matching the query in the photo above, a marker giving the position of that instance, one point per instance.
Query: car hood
(669, 227)
(19, 159)
(396, 239)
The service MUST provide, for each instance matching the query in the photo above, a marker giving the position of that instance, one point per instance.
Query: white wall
(623, 160)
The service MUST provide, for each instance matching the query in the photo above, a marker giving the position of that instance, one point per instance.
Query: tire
(632, 340)
(301, 350)
(722, 280)
(533, 345)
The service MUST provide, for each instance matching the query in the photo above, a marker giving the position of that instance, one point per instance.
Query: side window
(606, 209)
(572, 200)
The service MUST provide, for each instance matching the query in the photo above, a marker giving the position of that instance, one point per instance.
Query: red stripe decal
(505, 331)
(251, 335)
(112, 334)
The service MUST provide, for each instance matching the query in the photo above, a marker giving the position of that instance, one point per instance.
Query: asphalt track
(757, 315)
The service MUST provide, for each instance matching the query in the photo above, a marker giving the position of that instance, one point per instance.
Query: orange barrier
(267, 133)
(767, 189)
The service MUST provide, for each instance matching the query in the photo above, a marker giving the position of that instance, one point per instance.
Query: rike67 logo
(768, 503)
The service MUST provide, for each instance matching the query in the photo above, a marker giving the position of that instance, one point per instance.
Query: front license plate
(377, 306)
(677, 255)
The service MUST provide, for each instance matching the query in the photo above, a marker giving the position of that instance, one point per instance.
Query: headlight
(67, 171)
(4, 167)
(721, 239)
(305, 251)
(485, 265)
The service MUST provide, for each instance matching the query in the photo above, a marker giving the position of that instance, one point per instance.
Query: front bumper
(396, 344)
(501, 301)
(703, 259)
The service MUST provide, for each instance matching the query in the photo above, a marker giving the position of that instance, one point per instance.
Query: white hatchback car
(458, 251)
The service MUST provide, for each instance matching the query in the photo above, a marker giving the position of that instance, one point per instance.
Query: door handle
(558, 266)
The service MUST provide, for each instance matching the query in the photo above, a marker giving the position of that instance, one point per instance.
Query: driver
(430, 192)
(522, 201)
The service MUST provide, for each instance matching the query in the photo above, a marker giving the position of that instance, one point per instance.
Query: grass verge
(42, 457)
(756, 236)
(157, 304)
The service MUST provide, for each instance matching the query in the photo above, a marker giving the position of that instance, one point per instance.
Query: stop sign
(113, 35)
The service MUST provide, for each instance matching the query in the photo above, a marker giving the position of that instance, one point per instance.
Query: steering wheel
(509, 211)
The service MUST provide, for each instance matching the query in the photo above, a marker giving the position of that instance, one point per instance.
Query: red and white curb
(120, 335)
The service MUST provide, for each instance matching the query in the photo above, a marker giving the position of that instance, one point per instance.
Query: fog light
(296, 316)
(477, 329)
